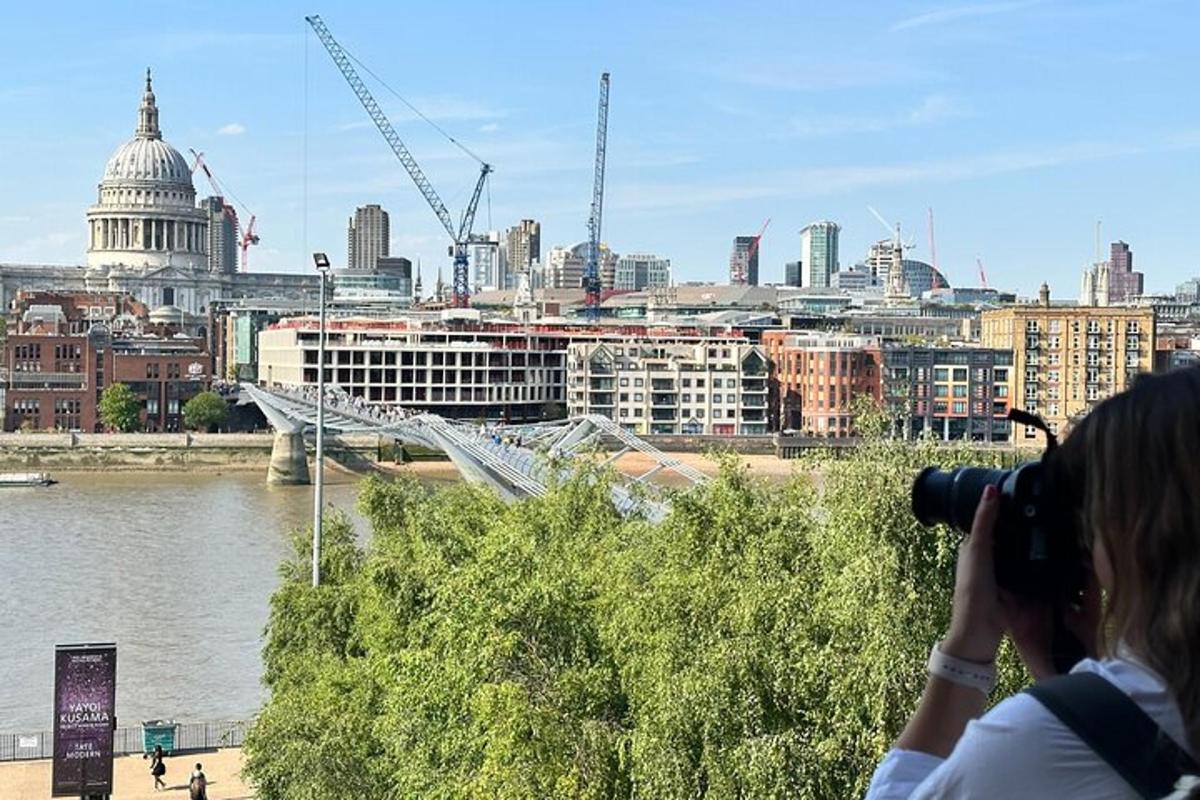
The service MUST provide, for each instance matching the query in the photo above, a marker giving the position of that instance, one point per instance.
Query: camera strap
(1118, 730)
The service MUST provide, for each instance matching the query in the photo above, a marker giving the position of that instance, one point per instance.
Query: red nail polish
(989, 492)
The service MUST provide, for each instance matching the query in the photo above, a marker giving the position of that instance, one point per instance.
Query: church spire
(148, 114)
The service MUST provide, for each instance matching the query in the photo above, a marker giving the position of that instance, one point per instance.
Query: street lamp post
(322, 262)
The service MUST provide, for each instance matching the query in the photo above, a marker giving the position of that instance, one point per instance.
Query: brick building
(815, 376)
(951, 393)
(1068, 358)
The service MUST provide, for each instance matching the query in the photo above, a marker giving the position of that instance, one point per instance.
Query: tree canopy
(120, 408)
(205, 411)
(764, 641)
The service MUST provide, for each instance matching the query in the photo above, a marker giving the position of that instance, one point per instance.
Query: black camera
(1039, 552)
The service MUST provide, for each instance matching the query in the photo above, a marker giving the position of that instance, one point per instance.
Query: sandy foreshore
(30, 780)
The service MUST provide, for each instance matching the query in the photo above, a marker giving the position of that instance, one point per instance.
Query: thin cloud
(953, 13)
(932, 110)
(232, 129)
(490, 127)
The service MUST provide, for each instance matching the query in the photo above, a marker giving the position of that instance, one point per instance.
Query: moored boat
(26, 479)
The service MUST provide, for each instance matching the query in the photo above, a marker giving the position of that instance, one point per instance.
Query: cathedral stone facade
(148, 238)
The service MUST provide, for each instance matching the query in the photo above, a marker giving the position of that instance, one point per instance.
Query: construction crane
(739, 262)
(982, 274)
(250, 235)
(460, 235)
(937, 279)
(591, 273)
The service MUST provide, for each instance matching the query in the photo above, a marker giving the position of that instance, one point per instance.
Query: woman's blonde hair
(1136, 465)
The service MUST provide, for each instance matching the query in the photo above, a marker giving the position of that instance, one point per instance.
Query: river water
(175, 568)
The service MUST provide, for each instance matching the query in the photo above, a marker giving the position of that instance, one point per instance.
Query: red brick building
(815, 376)
(54, 382)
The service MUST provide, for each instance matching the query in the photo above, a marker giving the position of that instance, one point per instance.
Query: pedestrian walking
(158, 767)
(198, 786)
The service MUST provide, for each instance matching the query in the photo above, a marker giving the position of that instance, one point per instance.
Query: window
(637, 412)
(624, 381)
(687, 398)
(699, 383)
(1001, 375)
(941, 390)
(959, 407)
(960, 390)
(638, 382)
(716, 383)
(624, 397)
(716, 413)
(700, 413)
(686, 382)
(941, 374)
(960, 374)
(638, 397)
(1002, 391)
(624, 412)
(1031, 375)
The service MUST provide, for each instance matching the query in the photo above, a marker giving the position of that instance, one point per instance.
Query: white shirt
(1019, 749)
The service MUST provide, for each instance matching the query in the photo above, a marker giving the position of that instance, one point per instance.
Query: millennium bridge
(514, 460)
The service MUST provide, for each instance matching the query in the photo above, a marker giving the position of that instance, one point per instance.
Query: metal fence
(191, 736)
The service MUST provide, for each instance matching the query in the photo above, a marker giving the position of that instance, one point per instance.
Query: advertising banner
(85, 698)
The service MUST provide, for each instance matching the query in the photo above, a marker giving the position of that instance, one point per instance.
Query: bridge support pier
(289, 462)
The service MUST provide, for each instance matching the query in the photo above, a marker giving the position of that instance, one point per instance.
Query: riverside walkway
(30, 780)
(514, 460)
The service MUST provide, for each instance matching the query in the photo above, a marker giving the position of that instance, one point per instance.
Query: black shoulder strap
(1118, 730)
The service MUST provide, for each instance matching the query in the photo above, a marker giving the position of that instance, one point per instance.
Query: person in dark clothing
(198, 787)
(158, 767)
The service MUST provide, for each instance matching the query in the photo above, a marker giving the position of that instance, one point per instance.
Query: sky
(1020, 123)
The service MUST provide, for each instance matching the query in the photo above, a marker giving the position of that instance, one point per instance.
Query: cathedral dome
(145, 159)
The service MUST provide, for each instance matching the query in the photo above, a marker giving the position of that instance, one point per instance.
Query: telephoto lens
(951, 496)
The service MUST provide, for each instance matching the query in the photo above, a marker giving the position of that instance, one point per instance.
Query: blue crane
(591, 275)
(460, 235)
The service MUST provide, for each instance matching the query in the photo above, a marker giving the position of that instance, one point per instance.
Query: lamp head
(321, 260)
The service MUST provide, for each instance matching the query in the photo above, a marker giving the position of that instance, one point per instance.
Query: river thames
(176, 568)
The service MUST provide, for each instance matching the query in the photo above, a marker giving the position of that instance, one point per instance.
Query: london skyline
(1082, 121)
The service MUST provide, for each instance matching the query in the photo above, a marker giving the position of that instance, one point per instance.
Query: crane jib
(462, 234)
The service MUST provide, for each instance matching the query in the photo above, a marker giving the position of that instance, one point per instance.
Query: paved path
(30, 780)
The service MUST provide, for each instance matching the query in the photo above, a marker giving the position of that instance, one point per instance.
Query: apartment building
(1068, 358)
(714, 386)
(815, 377)
(951, 393)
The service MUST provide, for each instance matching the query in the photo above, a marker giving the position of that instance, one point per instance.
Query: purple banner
(85, 698)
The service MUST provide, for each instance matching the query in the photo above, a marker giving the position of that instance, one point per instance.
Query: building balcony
(601, 383)
(660, 385)
(664, 414)
(47, 380)
(753, 401)
(754, 415)
(600, 399)
(754, 385)
(660, 399)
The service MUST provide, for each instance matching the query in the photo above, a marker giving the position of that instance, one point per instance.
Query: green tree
(764, 640)
(120, 409)
(205, 412)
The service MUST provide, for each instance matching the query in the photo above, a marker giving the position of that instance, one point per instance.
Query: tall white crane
(461, 234)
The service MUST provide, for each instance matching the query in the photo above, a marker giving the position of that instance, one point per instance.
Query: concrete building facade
(641, 271)
(223, 236)
(711, 386)
(524, 248)
(368, 237)
(1068, 358)
(743, 261)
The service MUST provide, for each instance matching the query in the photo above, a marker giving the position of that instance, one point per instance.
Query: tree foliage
(120, 409)
(764, 641)
(205, 411)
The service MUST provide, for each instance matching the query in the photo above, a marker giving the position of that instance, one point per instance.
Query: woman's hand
(977, 621)
(1030, 623)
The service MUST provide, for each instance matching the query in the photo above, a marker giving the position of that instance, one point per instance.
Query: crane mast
(461, 235)
(591, 275)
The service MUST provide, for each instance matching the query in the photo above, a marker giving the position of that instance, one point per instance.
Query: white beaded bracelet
(964, 673)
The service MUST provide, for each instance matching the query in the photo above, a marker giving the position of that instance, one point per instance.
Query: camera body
(1037, 549)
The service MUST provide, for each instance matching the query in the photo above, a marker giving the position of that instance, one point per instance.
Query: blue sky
(1019, 122)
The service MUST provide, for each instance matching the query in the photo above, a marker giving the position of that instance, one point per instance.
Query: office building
(950, 393)
(642, 271)
(564, 268)
(1112, 282)
(1068, 358)
(223, 235)
(487, 263)
(791, 273)
(815, 378)
(819, 253)
(712, 386)
(524, 242)
(743, 261)
(368, 237)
